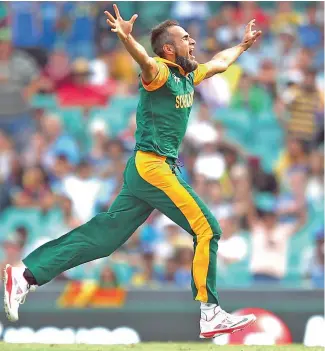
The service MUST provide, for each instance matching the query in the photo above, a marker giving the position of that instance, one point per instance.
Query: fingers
(117, 12)
(110, 23)
(251, 24)
(258, 34)
(109, 16)
(133, 18)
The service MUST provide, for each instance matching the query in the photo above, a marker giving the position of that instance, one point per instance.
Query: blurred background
(253, 150)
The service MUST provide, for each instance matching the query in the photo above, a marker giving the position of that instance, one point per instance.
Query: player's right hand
(118, 25)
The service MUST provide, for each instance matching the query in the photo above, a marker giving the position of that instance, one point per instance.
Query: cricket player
(151, 177)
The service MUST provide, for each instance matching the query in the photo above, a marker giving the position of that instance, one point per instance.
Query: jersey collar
(173, 64)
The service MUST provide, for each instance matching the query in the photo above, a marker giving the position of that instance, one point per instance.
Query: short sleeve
(200, 73)
(159, 80)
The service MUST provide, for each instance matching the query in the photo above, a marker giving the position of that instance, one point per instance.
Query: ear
(168, 49)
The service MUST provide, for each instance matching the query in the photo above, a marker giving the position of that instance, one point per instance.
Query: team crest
(177, 79)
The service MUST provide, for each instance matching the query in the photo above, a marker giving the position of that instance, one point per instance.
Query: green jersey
(164, 108)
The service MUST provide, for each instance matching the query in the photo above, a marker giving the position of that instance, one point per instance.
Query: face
(294, 147)
(317, 162)
(309, 81)
(182, 49)
(51, 126)
(85, 171)
(33, 177)
(270, 219)
(297, 182)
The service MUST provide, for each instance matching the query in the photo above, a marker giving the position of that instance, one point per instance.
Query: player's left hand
(250, 35)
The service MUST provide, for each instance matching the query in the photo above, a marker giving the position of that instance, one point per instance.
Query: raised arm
(222, 60)
(123, 30)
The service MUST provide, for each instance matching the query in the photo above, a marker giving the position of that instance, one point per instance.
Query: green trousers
(150, 182)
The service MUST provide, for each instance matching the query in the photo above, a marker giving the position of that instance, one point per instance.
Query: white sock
(209, 310)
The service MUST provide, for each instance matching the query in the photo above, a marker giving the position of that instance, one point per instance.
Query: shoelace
(228, 316)
(22, 297)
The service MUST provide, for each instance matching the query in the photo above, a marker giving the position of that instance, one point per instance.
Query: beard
(187, 64)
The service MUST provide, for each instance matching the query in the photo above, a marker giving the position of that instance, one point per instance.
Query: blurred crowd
(253, 150)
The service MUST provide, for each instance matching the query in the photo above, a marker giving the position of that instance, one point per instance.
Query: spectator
(249, 96)
(250, 9)
(184, 261)
(173, 235)
(57, 71)
(79, 91)
(270, 239)
(128, 135)
(202, 131)
(12, 253)
(267, 78)
(34, 152)
(35, 191)
(168, 275)
(232, 246)
(82, 186)
(285, 15)
(108, 278)
(189, 12)
(251, 63)
(228, 32)
(6, 156)
(216, 91)
(284, 53)
(100, 135)
(19, 81)
(293, 156)
(122, 66)
(315, 183)
(310, 33)
(60, 170)
(58, 142)
(68, 219)
(242, 193)
(261, 181)
(313, 261)
(303, 104)
(216, 196)
(210, 163)
(291, 204)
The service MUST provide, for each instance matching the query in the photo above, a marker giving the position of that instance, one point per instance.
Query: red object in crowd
(268, 329)
(71, 94)
(248, 11)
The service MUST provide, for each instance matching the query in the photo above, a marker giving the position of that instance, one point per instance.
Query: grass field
(153, 347)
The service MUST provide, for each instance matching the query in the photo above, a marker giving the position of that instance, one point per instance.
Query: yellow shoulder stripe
(200, 73)
(160, 79)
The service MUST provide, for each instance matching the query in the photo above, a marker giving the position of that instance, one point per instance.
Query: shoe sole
(6, 296)
(212, 335)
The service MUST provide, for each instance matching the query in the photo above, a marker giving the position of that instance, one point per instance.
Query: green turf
(153, 347)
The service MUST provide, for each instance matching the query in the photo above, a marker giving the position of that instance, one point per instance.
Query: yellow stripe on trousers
(154, 170)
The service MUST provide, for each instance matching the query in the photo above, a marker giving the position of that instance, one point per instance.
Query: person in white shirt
(269, 241)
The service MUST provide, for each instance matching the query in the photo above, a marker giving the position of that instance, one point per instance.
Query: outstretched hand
(118, 25)
(250, 35)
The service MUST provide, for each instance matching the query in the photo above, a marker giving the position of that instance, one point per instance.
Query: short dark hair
(160, 36)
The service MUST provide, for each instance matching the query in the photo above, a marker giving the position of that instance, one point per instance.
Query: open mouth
(191, 54)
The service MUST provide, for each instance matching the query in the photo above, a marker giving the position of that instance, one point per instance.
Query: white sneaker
(16, 289)
(223, 323)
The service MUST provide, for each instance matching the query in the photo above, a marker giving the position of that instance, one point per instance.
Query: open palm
(119, 25)
(250, 35)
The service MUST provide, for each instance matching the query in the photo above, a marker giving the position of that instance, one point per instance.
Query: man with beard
(151, 177)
